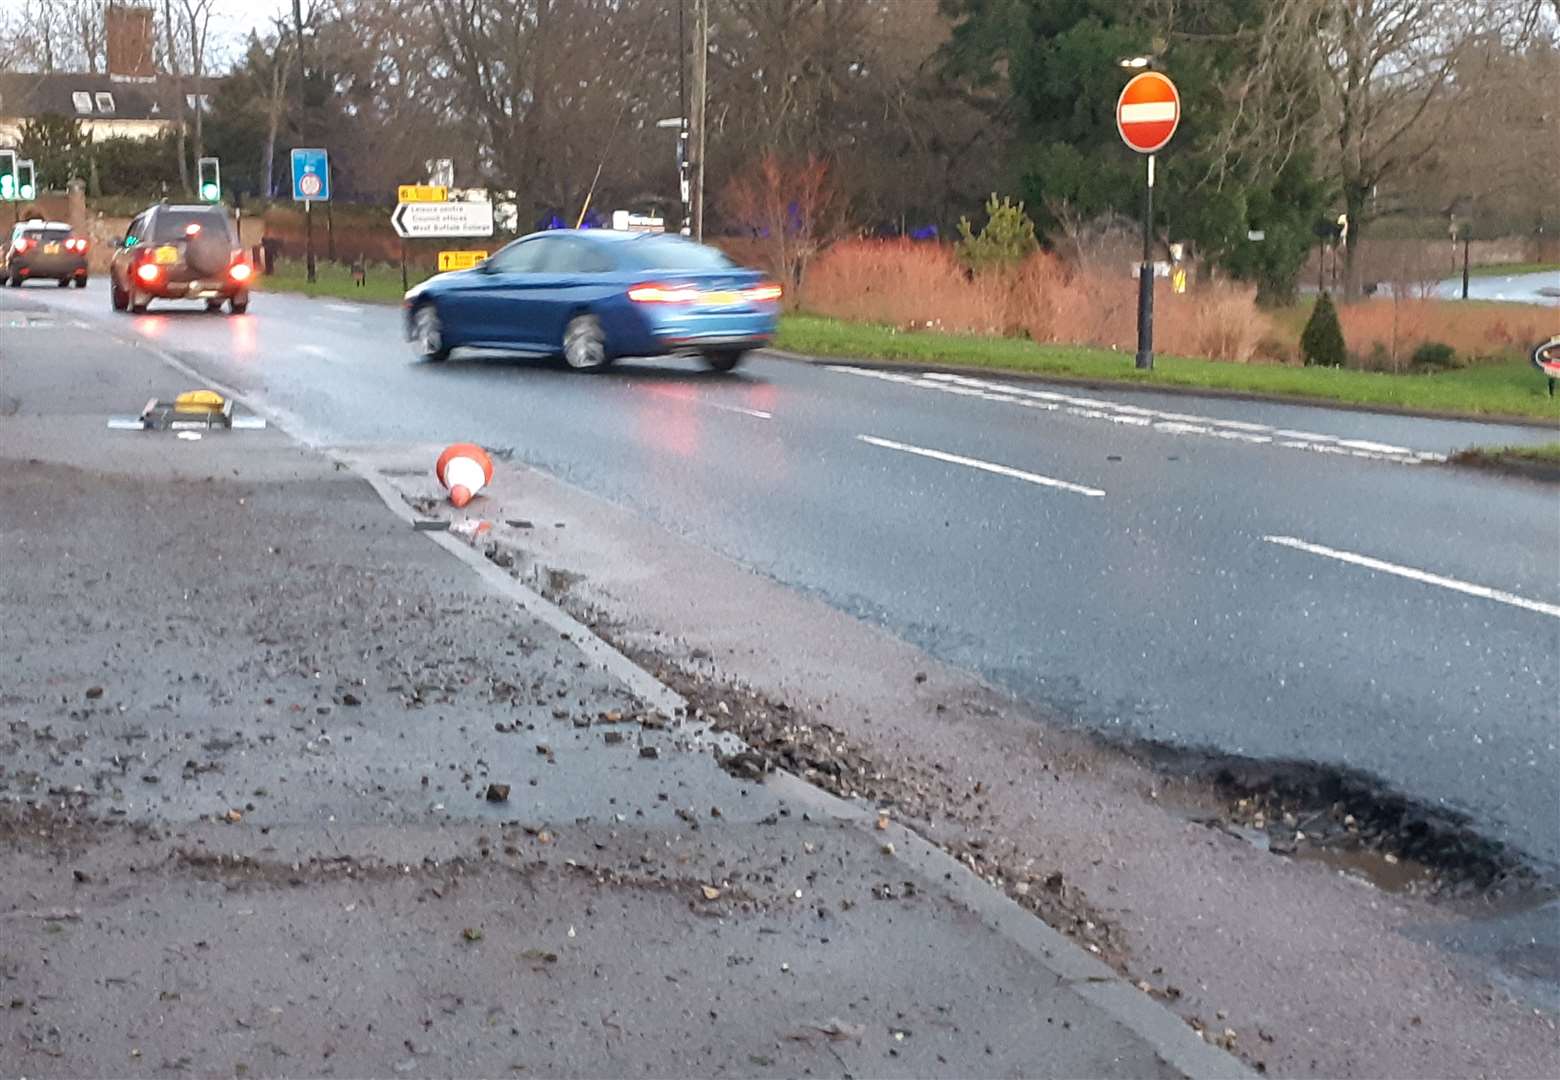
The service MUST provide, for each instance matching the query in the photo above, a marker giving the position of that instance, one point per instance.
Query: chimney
(130, 35)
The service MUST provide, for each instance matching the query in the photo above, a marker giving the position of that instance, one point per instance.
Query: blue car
(594, 296)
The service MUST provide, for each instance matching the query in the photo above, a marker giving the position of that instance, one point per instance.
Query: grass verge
(1507, 269)
(381, 285)
(1499, 389)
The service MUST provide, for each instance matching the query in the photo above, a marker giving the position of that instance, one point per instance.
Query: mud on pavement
(1187, 876)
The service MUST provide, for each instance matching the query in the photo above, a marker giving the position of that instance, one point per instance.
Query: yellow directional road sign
(422, 193)
(460, 260)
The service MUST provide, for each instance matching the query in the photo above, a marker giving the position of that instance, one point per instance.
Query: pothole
(1348, 820)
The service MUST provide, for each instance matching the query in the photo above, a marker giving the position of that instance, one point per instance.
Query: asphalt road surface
(1268, 580)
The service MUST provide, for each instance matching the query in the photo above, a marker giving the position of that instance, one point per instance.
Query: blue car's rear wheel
(428, 335)
(724, 359)
(585, 344)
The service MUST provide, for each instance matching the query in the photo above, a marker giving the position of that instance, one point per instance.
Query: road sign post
(1546, 358)
(1147, 114)
(311, 184)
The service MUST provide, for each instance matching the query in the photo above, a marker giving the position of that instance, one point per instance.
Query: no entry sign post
(1147, 114)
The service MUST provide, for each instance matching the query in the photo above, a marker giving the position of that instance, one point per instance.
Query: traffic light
(26, 181)
(7, 175)
(210, 179)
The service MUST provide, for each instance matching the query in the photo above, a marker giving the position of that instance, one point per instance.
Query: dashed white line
(315, 350)
(983, 466)
(351, 309)
(1423, 576)
(757, 414)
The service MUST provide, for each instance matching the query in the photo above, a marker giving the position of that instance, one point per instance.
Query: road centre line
(1483, 591)
(757, 414)
(984, 466)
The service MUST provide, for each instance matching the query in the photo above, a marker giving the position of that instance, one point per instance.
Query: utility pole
(310, 272)
(701, 58)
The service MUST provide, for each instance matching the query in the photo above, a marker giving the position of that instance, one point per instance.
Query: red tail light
(148, 272)
(76, 244)
(766, 293)
(240, 271)
(664, 294)
(22, 245)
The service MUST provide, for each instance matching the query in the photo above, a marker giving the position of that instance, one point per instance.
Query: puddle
(1389, 873)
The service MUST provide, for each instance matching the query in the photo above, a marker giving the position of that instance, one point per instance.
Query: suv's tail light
(240, 271)
(22, 245)
(148, 272)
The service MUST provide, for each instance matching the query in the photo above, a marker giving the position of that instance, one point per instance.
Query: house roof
(25, 95)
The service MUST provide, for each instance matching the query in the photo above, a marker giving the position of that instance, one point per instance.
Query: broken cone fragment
(464, 469)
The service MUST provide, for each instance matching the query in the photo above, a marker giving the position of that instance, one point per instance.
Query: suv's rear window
(174, 224)
(669, 253)
(50, 232)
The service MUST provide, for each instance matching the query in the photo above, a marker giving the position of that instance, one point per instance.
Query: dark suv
(180, 253)
(45, 251)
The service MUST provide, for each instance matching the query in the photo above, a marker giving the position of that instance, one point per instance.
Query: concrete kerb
(1171, 1038)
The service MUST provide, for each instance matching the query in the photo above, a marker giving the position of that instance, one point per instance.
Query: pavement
(290, 788)
(1240, 578)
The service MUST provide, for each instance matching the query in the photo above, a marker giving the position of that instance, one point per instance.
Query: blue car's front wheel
(585, 344)
(428, 334)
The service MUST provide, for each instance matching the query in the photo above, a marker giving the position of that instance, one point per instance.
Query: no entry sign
(1148, 112)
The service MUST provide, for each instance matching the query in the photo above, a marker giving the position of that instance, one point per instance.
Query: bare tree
(1395, 73)
(793, 207)
(197, 32)
(171, 38)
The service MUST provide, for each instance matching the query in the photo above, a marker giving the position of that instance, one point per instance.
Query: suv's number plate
(165, 256)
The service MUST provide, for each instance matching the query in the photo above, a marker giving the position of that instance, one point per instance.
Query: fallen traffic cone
(464, 469)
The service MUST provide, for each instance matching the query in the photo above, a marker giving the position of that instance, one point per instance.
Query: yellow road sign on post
(421, 193)
(460, 260)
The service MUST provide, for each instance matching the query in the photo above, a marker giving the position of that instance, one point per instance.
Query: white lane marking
(984, 466)
(1172, 423)
(350, 309)
(1423, 576)
(757, 414)
(314, 350)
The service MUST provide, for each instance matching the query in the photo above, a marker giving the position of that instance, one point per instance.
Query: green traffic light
(7, 186)
(208, 191)
(28, 191)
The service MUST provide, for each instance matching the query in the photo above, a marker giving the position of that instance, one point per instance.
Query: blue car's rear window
(670, 253)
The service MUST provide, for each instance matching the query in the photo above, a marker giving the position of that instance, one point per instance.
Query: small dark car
(45, 251)
(180, 253)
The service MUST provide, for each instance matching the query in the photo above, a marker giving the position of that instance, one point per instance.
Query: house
(131, 99)
(106, 106)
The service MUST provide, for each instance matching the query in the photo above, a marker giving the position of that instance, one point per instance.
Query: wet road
(1278, 581)
(1538, 288)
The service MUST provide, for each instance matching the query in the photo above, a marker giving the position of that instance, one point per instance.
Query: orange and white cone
(464, 469)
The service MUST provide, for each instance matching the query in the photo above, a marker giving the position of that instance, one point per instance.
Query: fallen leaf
(710, 892)
(471, 933)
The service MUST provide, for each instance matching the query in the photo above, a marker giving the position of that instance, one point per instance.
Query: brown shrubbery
(1383, 334)
(920, 286)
